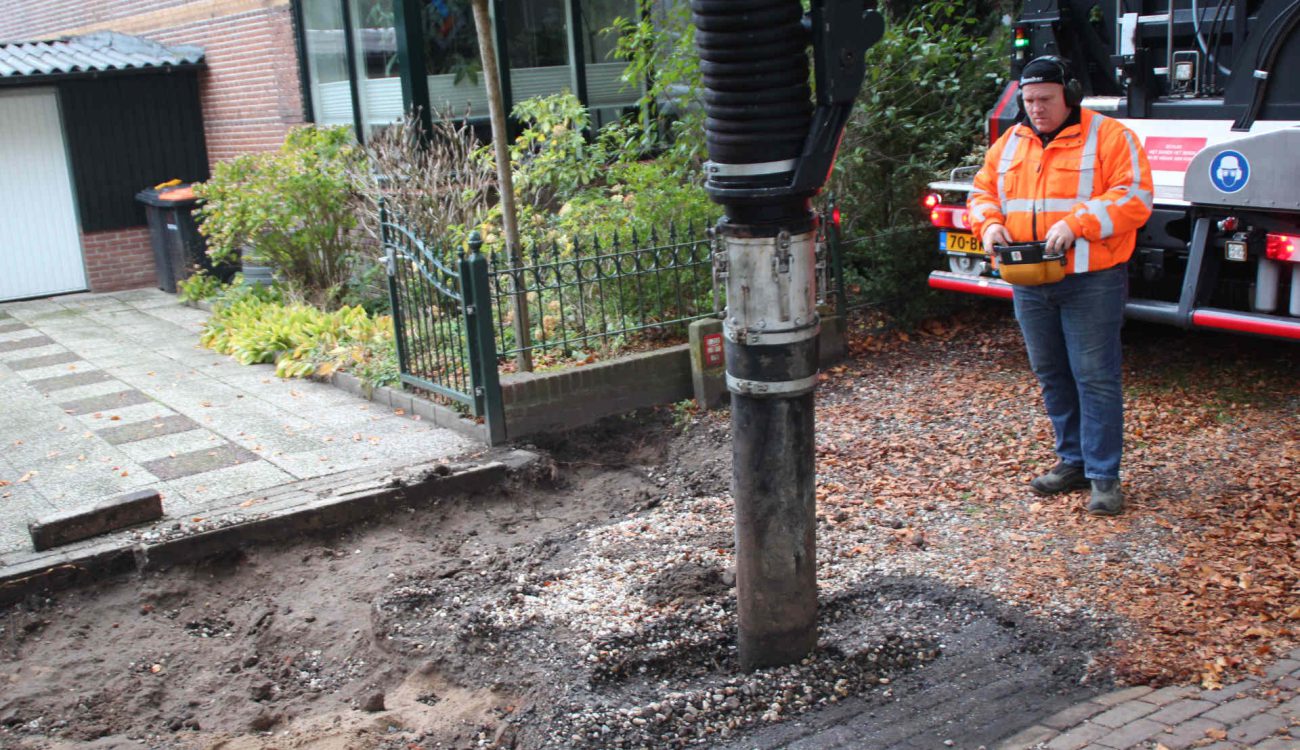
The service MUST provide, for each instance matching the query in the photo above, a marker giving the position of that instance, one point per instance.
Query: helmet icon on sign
(1229, 171)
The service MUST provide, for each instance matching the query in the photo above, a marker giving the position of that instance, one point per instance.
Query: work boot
(1062, 478)
(1107, 498)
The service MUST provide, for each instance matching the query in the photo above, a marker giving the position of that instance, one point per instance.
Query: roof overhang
(91, 55)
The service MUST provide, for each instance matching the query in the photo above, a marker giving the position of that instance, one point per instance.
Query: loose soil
(589, 603)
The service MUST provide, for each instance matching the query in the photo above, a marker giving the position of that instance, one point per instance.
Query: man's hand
(995, 234)
(1059, 238)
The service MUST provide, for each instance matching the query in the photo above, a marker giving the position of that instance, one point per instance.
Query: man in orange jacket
(1080, 183)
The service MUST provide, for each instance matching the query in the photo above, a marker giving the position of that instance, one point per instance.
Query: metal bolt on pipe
(770, 151)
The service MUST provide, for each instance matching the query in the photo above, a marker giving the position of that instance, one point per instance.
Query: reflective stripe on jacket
(1094, 175)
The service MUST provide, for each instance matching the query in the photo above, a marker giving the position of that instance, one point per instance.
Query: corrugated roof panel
(102, 50)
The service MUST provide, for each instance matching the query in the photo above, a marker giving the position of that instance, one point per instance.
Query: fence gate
(442, 322)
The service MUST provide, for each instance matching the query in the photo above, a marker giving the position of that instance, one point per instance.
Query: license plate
(960, 242)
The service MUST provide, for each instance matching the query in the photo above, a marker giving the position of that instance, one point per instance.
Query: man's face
(1045, 105)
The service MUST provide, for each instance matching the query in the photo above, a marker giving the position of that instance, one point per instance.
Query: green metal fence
(442, 321)
(604, 295)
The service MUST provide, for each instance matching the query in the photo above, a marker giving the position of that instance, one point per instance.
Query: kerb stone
(108, 515)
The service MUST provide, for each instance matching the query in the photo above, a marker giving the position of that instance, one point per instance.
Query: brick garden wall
(118, 259)
(250, 89)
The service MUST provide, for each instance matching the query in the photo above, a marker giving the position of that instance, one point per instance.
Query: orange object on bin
(177, 194)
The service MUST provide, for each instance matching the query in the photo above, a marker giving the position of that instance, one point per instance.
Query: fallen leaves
(943, 431)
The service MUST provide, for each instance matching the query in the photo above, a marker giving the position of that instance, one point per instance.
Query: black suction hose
(1269, 49)
(754, 65)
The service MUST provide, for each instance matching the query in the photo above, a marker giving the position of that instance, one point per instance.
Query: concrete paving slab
(326, 461)
(23, 343)
(197, 493)
(159, 443)
(33, 374)
(201, 461)
(69, 485)
(21, 354)
(69, 381)
(90, 390)
(118, 412)
(23, 505)
(160, 427)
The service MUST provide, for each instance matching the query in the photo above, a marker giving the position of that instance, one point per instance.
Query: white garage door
(40, 249)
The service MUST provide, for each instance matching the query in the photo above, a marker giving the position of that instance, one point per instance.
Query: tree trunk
(497, 110)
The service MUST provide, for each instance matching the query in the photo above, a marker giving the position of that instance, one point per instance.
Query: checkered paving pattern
(106, 394)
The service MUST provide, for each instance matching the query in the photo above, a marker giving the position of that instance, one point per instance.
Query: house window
(456, 85)
(354, 74)
(327, 62)
(379, 83)
(537, 42)
(606, 91)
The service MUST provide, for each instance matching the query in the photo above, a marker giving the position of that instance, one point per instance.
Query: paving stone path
(1261, 714)
(103, 394)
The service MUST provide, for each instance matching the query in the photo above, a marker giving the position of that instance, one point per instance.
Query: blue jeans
(1071, 331)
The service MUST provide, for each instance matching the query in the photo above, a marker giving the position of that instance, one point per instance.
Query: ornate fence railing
(604, 295)
(442, 321)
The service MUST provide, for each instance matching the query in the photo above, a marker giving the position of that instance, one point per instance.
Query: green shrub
(200, 286)
(659, 47)
(294, 209)
(921, 112)
(552, 158)
(254, 326)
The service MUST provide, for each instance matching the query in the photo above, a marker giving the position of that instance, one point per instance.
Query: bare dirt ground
(589, 604)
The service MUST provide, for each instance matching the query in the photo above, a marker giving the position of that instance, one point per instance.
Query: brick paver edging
(1258, 713)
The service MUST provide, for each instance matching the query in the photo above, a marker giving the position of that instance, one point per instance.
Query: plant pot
(255, 270)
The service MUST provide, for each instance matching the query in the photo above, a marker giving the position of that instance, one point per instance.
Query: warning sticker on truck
(1171, 154)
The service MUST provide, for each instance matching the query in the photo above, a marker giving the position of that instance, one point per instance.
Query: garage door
(40, 248)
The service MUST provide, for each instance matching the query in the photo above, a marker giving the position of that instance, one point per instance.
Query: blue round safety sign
(1229, 171)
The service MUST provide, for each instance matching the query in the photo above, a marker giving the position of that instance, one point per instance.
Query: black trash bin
(177, 245)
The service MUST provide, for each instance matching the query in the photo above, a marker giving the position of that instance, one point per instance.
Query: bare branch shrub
(438, 188)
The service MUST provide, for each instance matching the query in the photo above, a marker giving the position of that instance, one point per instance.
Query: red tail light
(1284, 247)
(931, 200)
(950, 217)
(835, 216)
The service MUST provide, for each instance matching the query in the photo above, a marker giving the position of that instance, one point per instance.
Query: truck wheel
(968, 265)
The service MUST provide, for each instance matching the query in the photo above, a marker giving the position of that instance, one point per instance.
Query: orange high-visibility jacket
(1094, 175)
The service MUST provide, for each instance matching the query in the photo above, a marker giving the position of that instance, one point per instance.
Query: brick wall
(250, 89)
(119, 259)
(552, 401)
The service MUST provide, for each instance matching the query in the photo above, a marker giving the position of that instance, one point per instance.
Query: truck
(1212, 88)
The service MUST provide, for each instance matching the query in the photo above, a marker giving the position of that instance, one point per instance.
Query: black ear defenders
(1073, 89)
